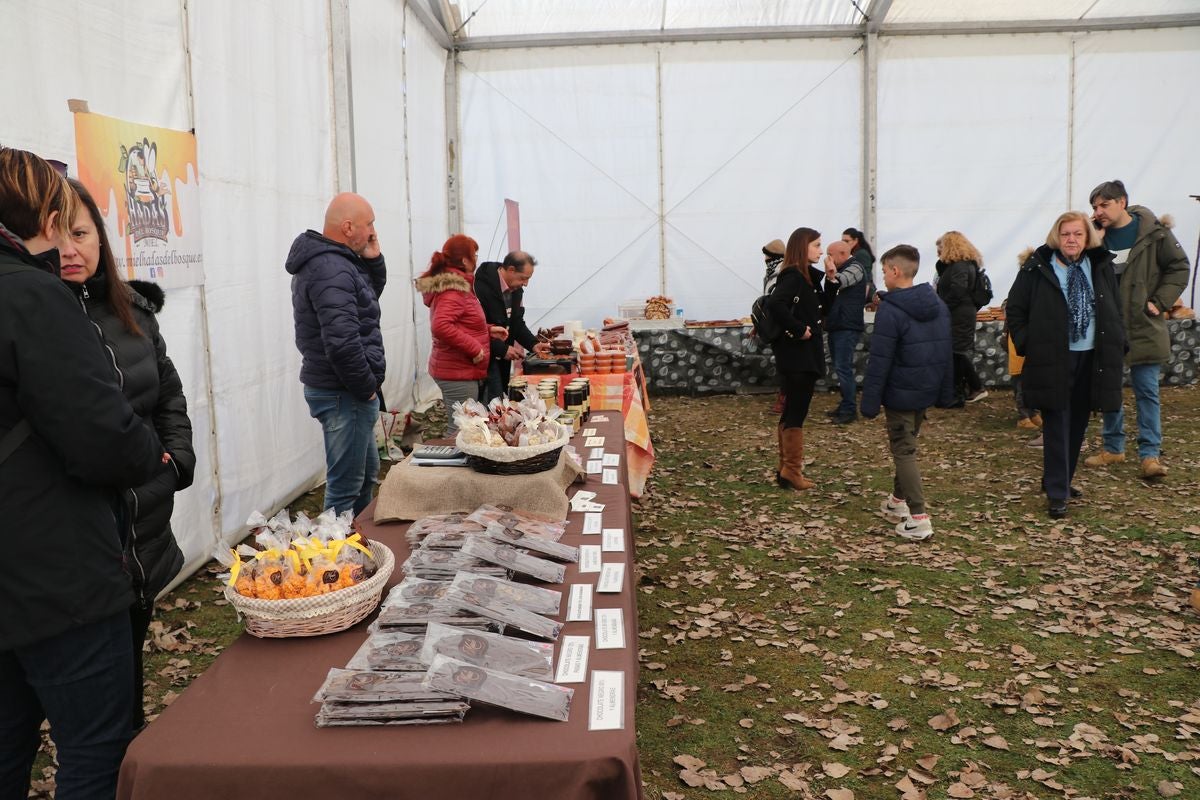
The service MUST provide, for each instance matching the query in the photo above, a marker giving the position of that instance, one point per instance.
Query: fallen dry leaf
(997, 742)
(960, 790)
(839, 794)
(835, 769)
(944, 721)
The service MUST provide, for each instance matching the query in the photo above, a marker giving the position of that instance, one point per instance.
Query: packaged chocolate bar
(413, 617)
(416, 590)
(510, 558)
(407, 710)
(447, 540)
(525, 695)
(389, 652)
(502, 653)
(506, 613)
(521, 520)
(439, 564)
(546, 547)
(366, 686)
(532, 598)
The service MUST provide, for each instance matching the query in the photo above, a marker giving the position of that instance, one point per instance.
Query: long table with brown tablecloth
(245, 726)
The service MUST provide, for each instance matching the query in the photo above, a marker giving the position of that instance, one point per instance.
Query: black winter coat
(59, 490)
(795, 303)
(911, 362)
(150, 382)
(1038, 322)
(954, 287)
(335, 304)
(491, 297)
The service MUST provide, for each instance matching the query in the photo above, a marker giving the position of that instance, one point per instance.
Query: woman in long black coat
(958, 266)
(1064, 317)
(795, 304)
(126, 319)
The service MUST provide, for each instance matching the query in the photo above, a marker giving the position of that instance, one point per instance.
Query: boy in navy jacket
(910, 368)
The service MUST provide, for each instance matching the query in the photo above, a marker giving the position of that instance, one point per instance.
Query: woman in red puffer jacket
(458, 361)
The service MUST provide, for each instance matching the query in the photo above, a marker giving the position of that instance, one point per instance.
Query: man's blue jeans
(351, 457)
(80, 680)
(1144, 378)
(841, 352)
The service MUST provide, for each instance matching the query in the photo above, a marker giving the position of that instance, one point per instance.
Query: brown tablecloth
(246, 725)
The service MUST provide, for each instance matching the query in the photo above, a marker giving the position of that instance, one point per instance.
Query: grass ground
(791, 647)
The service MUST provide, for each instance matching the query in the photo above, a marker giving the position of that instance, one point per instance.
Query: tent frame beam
(822, 31)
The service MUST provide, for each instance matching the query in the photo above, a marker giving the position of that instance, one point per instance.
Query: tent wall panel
(1137, 119)
(759, 138)
(426, 135)
(973, 136)
(263, 124)
(571, 134)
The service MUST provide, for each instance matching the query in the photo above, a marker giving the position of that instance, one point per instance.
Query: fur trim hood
(450, 280)
(151, 294)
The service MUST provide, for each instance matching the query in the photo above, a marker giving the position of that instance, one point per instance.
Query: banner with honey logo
(145, 181)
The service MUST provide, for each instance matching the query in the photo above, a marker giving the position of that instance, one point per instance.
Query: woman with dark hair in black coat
(795, 305)
(1064, 318)
(125, 314)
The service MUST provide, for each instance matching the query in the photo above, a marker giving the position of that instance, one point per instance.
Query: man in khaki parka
(1152, 271)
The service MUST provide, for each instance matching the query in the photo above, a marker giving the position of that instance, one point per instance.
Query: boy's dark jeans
(902, 429)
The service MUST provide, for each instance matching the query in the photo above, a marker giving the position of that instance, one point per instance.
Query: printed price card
(614, 540)
(607, 707)
(592, 523)
(610, 476)
(579, 603)
(572, 659)
(610, 628)
(589, 558)
(612, 578)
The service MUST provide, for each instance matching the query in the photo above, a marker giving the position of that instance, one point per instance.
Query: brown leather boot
(779, 461)
(791, 474)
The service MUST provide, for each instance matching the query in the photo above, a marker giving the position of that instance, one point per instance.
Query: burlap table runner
(410, 492)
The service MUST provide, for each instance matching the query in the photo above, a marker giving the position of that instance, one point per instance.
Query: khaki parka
(1156, 271)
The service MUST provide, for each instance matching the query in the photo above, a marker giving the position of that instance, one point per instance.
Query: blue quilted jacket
(335, 303)
(910, 366)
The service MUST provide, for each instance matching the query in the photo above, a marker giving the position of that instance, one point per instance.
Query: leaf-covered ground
(793, 646)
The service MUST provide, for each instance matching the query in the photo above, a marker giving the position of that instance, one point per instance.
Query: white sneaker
(917, 527)
(895, 509)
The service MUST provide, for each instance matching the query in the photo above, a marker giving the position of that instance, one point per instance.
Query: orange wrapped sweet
(268, 584)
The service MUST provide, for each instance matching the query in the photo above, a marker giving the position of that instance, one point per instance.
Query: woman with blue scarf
(1064, 318)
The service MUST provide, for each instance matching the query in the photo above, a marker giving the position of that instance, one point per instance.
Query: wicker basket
(514, 460)
(313, 616)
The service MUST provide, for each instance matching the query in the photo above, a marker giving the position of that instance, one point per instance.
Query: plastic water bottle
(679, 313)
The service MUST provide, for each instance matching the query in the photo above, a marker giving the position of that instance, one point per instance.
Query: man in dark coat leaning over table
(500, 288)
(337, 277)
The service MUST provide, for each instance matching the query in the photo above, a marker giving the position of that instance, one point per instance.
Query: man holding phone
(1152, 271)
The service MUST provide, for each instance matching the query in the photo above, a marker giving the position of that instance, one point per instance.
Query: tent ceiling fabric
(498, 19)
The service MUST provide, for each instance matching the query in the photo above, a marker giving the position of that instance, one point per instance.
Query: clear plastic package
(501, 653)
(532, 598)
(389, 652)
(416, 590)
(506, 613)
(538, 544)
(442, 564)
(510, 558)
(521, 520)
(525, 695)
(366, 686)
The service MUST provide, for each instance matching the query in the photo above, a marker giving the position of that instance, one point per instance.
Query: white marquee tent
(653, 146)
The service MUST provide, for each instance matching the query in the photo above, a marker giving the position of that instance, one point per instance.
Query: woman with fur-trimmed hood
(458, 361)
(958, 266)
(1064, 318)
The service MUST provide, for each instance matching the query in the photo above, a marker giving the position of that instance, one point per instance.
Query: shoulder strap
(13, 439)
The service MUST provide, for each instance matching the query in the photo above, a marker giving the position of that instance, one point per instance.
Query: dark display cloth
(410, 492)
(246, 724)
(726, 360)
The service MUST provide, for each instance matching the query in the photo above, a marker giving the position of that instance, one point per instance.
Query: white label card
(612, 578)
(587, 432)
(594, 441)
(589, 558)
(572, 659)
(599, 418)
(579, 603)
(595, 467)
(612, 459)
(592, 522)
(609, 476)
(597, 453)
(607, 708)
(610, 628)
(614, 540)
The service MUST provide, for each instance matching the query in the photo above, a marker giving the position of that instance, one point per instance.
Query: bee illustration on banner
(145, 192)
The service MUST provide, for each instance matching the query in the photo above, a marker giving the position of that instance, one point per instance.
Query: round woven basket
(313, 616)
(514, 460)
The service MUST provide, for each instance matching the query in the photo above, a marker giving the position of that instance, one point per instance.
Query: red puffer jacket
(460, 331)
